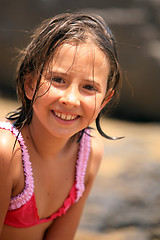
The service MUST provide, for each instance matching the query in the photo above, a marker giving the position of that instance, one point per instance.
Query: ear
(30, 87)
(107, 98)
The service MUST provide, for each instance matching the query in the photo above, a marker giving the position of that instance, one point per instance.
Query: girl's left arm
(66, 226)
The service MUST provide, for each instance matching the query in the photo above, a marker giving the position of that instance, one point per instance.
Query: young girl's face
(72, 89)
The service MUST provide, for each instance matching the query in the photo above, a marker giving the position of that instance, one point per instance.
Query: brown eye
(90, 88)
(57, 79)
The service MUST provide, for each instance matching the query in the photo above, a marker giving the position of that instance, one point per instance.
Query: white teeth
(64, 116)
(58, 114)
(68, 117)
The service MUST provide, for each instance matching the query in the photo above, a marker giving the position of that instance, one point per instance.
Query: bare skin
(47, 203)
(72, 102)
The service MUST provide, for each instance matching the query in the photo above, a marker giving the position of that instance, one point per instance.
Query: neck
(46, 145)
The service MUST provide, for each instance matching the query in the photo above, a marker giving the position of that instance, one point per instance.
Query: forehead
(81, 58)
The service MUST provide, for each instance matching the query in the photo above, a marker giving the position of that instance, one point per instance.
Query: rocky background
(136, 25)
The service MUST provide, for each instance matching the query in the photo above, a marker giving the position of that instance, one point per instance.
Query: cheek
(93, 105)
(44, 93)
(100, 104)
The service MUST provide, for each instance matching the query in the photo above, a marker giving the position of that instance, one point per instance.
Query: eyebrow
(89, 81)
(65, 74)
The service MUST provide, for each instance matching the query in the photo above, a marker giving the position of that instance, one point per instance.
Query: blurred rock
(123, 234)
(136, 25)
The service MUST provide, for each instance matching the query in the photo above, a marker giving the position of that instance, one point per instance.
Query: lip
(65, 118)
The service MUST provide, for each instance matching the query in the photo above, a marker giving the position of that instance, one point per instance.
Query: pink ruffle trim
(26, 194)
(83, 155)
(82, 159)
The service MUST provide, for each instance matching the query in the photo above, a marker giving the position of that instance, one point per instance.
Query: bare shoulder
(8, 158)
(6, 144)
(96, 154)
(6, 169)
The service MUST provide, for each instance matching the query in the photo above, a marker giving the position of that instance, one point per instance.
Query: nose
(70, 97)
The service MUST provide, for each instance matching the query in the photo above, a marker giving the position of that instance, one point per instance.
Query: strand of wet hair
(102, 133)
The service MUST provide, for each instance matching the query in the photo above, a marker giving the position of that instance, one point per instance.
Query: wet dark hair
(46, 39)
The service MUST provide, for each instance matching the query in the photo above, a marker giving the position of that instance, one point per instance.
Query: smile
(66, 117)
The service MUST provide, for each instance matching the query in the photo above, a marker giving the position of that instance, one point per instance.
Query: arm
(6, 173)
(65, 226)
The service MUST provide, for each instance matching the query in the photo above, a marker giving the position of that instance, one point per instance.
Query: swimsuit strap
(26, 194)
(83, 155)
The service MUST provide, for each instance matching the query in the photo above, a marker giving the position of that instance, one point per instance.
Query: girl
(49, 156)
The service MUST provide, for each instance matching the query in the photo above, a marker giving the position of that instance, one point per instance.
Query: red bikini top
(22, 211)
